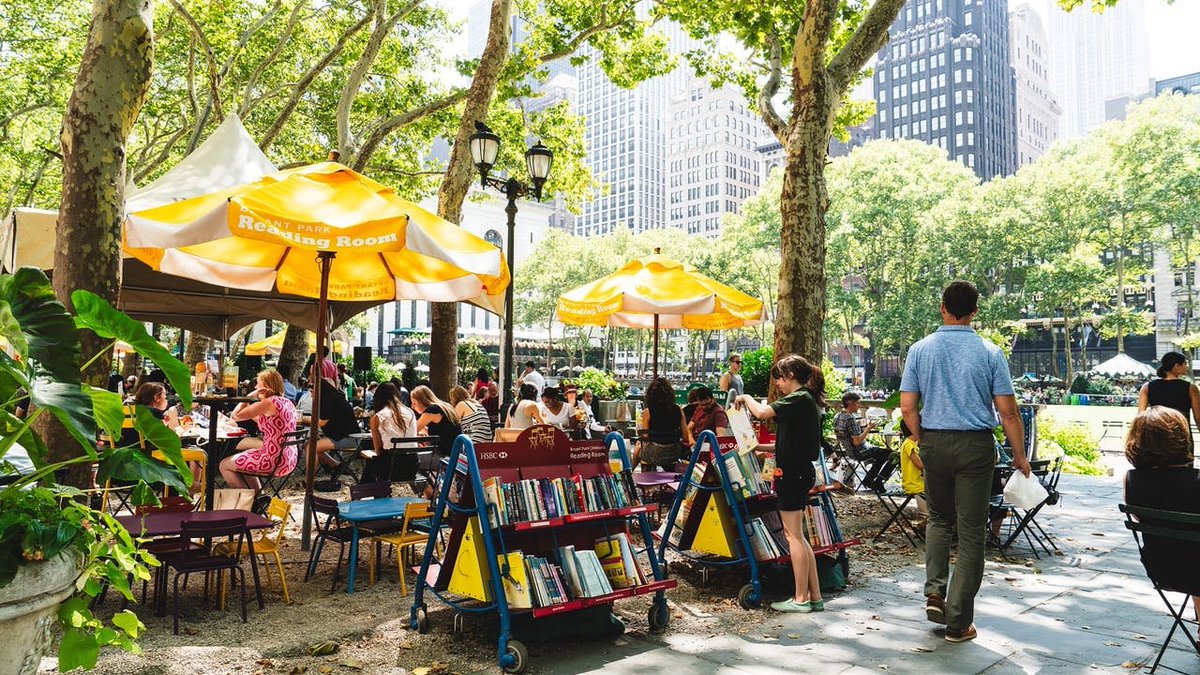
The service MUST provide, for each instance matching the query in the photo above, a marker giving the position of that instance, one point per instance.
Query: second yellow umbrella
(658, 292)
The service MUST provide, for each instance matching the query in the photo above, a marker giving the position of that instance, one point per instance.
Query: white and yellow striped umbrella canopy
(264, 236)
(273, 345)
(658, 285)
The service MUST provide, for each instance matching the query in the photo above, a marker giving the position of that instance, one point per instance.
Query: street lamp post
(485, 146)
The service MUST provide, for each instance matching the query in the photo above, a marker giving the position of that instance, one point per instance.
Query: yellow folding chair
(266, 545)
(406, 540)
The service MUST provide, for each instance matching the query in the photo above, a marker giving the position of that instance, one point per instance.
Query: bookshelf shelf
(724, 515)
(541, 526)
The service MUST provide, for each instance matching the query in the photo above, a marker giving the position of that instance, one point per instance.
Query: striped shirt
(477, 424)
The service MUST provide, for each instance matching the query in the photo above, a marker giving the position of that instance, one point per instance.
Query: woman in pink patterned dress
(275, 416)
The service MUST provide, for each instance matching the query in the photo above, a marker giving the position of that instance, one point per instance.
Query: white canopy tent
(1122, 364)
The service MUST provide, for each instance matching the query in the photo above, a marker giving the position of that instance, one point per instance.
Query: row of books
(536, 581)
(746, 472)
(544, 498)
(817, 527)
(766, 537)
(685, 508)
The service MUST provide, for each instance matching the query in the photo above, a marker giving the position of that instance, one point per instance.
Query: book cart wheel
(659, 616)
(748, 598)
(422, 621)
(517, 657)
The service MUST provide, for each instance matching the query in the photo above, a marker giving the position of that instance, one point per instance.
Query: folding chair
(271, 485)
(267, 545)
(1168, 529)
(191, 558)
(896, 509)
(411, 535)
(328, 529)
(1022, 521)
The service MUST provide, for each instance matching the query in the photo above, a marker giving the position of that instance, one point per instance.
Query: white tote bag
(1024, 492)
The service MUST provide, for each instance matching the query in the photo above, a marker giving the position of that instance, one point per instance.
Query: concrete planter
(27, 608)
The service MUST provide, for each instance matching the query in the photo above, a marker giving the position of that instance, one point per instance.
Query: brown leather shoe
(935, 608)
(961, 635)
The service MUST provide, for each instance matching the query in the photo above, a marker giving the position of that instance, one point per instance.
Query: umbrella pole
(324, 259)
(655, 366)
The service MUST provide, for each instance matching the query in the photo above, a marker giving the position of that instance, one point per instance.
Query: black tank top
(664, 424)
(1172, 394)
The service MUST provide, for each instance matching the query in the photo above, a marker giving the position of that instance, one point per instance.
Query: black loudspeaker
(362, 358)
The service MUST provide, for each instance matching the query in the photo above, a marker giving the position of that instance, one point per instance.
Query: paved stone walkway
(1090, 610)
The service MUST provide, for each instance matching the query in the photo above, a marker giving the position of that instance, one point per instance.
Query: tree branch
(262, 66)
(162, 156)
(305, 82)
(770, 88)
(870, 36)
(383, 26)
(209, 57)
(380, 131)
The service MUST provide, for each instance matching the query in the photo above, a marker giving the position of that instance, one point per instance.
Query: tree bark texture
(294, 351)
(443, 342)
(817, 89)
(109, 90)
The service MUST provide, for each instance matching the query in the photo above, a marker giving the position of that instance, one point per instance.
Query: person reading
(797, 415)
(852, 437)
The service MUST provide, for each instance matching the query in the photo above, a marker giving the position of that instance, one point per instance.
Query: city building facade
(945, 78)
(1095, 58)
(1038, 111)
(713, 160)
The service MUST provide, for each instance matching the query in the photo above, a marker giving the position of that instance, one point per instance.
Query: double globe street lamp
(485, 146)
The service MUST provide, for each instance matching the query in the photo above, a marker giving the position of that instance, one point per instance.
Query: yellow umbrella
(263, 236)
(321, 231)
(274, 345)
(658, 292)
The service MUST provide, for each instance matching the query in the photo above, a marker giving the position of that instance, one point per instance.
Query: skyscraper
(1037, 107)
(1095, 58)
(626, 141)
(945, 78)
(713, 159)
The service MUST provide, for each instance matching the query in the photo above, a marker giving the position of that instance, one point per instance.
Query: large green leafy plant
(40, 519)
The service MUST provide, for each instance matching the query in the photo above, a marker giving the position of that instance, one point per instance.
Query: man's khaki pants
(958, 482)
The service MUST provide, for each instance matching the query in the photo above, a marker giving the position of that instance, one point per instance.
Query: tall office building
(1095, 58)
(713, 159)
(1037, 107)
(626, 141)
(945, 78)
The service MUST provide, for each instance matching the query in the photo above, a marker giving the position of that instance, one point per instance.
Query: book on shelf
(534, 499)
(774, 525)
(517, 590)
(619, 560)
(745, 473)
(763, 544)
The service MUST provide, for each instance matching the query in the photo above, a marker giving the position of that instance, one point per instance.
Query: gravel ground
(370, 626)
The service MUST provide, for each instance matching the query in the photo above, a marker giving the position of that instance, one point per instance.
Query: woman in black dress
(1162, 478)
(1171, 390)
(797, 415)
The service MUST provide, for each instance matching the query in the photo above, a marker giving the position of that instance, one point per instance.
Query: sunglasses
(738, 362)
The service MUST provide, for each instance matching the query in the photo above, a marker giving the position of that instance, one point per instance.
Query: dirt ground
(371, 631)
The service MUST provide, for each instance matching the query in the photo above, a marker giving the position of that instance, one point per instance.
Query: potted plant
(56, 551)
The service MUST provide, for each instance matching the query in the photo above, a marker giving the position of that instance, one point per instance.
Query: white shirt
(562, 419)
(522, 417)
(535, 378)
(390, 427)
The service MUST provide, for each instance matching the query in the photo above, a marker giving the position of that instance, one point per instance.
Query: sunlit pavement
(1089, 610)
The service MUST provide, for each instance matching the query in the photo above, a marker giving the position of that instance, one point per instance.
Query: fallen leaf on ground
(794, 636)
(1112, 643)
(1133, 665)
(922, 650)
(351, 663)
(323, 649)
(297, 670)
(325, 670)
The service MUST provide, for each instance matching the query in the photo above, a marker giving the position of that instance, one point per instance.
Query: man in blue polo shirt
(954, 384)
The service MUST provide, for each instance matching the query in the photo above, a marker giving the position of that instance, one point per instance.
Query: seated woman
(153, 396)
(708, 415)
(435, 417)
(1162, 477)
(473, 416)
(661, 428)
(390, 419)
(525, 412)
(336, 417)
(264, 456)
(556, 411)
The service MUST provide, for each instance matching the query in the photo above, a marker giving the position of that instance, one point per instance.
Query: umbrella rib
(229, 296)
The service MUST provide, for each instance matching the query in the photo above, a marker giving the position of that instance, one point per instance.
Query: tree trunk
(197, 347)
(1067, 345)
(109, 89)
(1054, 351)
(131, 365)
(443, 340)
(294, 352)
